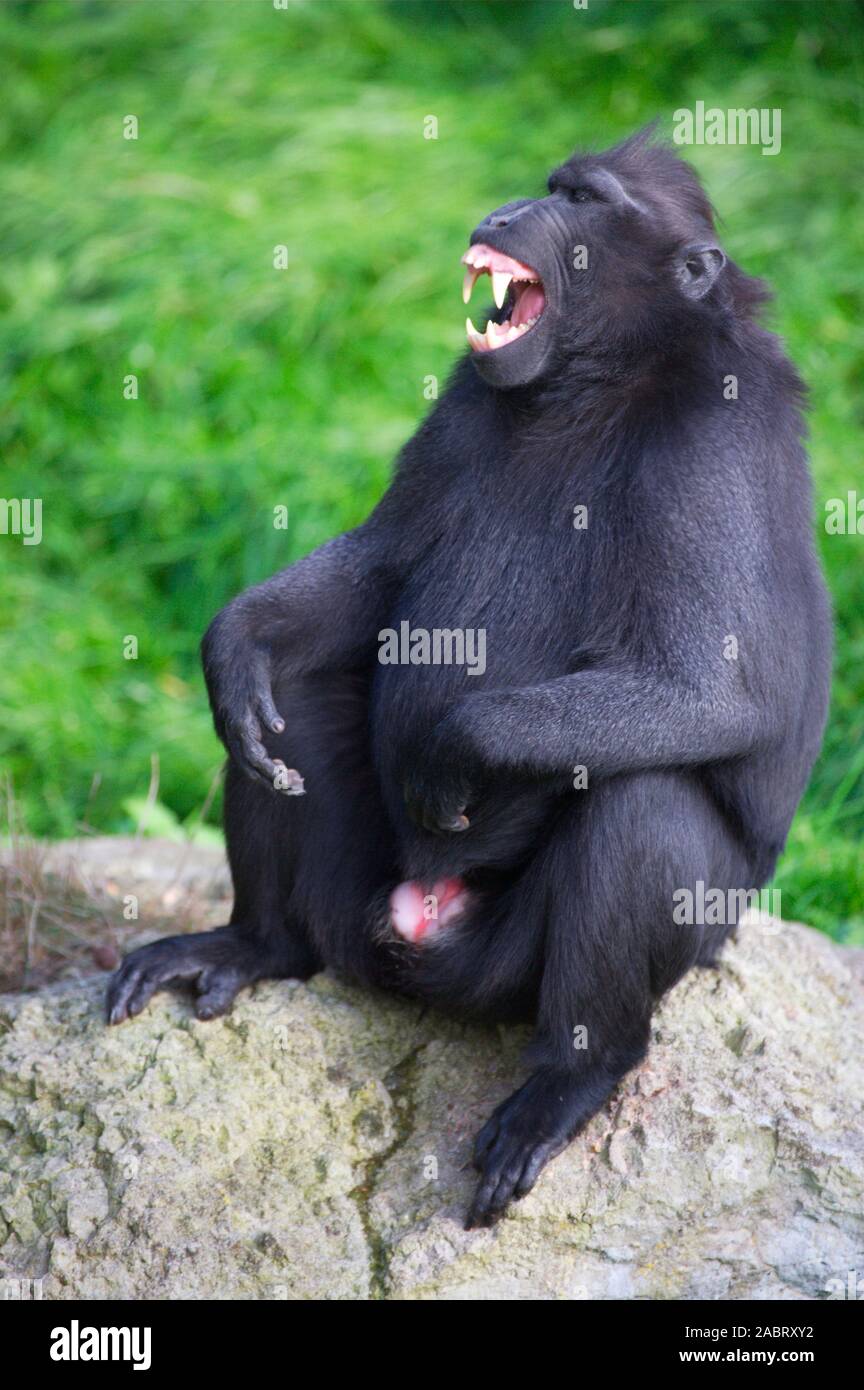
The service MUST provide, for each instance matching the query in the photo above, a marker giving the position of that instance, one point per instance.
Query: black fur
(605, 648)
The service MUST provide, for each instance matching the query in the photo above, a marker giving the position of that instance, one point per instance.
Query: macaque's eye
(583, 194)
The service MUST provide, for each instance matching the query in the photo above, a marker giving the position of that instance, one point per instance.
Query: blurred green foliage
(258, 388)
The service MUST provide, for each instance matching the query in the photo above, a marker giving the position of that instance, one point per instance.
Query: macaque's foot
(520, 1137)
(216, 964)
(418, 915)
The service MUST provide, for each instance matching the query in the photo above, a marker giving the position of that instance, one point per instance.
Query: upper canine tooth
(500, 282)
(468, 283)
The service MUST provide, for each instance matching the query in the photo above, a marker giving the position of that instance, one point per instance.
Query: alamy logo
(442, 646)
(849, 1288)
(21, 516)
(76, 1343)
(713, 126)
(21, 1289)
(718, 907)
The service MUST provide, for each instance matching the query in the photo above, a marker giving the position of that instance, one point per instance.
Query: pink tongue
(530, 303)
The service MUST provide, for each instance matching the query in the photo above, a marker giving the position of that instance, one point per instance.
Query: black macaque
(672, 639)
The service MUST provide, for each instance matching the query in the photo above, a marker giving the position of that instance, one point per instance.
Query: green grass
(260, 388)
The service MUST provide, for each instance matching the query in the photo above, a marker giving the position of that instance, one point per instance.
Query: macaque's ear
(697, 269)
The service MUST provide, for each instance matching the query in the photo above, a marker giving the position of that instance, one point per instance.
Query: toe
(534, 1165)
(501, 1169)
(485, 1139)
(147, 970)
(217, 990)
(120, 991)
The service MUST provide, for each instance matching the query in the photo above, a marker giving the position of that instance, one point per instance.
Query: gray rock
(163, 873)
(316, 1144)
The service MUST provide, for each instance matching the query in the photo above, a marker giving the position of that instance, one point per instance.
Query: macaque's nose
(502, 217)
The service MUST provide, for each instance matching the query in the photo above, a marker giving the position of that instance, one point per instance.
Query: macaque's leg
(607, 878)
(305, 867)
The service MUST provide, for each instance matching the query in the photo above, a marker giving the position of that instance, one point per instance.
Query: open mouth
(515, 287)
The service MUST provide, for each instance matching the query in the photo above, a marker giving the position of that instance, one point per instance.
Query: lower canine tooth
(474, 338)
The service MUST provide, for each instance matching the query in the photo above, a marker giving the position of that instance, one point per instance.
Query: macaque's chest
(503, 597)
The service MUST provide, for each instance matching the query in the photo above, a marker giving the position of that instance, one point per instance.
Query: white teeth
(475, 339)
(496, 335)
(500, 282)
(468, 283)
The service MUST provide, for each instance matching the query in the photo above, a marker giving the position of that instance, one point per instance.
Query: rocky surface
(164, 875)
(316, 1144)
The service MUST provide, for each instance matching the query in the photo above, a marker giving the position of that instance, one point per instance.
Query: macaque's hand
(441, 781)
(239, 683)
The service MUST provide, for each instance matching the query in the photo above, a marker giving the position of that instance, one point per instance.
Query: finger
(268, 711)
(248, 750)
(445, 825)
(250, 771)
(435, 819)
(238, 752)
(432, 816)
(256, 756)
(289, 781)
(447, 818)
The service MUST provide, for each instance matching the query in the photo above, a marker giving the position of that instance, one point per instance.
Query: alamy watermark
(714, 126)
(77, 1343)
(21, 1290)
(850, 1289)
(21, 516)
(440, 646)
(844, 516)
(702, 906)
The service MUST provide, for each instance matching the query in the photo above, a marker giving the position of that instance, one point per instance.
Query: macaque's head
(618, 261)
